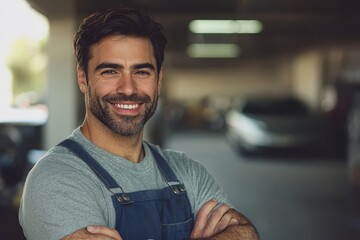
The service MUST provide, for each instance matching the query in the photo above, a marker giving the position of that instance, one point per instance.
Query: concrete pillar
(307, 76)
(62, 88)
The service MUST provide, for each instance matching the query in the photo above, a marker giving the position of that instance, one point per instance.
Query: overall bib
(149, 214)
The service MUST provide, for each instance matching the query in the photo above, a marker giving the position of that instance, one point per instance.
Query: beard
(120, 124)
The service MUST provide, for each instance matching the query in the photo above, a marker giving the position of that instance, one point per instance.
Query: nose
(126, 84)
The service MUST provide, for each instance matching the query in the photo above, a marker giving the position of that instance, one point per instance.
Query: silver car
(273, 123)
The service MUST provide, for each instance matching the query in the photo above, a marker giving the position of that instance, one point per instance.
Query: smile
(126, 106)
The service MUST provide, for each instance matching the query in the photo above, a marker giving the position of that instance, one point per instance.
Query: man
(104, 181)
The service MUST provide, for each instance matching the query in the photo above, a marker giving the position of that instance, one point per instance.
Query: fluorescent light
(201, 50)
(225, 26)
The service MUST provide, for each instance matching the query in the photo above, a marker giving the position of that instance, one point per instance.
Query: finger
(226, 221)
(217, 217)
(109, 232)
(202, 218)
(233, 222)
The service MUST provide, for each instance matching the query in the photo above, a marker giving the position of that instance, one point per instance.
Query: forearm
(222, 222)
(238, 232)
(94, 232)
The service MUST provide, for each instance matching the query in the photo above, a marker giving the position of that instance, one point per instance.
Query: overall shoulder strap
(167, 172)
(100, 172)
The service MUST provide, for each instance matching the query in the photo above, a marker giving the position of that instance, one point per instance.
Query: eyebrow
(144, 65)
(119, 66)
(107, 65)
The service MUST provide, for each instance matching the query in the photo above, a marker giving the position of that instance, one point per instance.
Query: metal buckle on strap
(123, 198)
(120, 195)
(178, 189)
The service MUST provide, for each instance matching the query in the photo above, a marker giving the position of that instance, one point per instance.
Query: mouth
(126, 106)
(126, 109)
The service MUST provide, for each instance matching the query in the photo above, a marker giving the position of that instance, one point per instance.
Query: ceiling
(288, 25)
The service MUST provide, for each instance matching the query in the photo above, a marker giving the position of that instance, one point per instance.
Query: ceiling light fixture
(226, 26)
(219, 50)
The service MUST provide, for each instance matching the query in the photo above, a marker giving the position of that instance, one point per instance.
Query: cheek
(152, 92)
(102, 88)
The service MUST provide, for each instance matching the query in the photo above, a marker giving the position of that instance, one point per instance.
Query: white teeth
(127, 106)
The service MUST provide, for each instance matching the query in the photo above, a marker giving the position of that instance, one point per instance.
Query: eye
(142, 73)
(108, 72)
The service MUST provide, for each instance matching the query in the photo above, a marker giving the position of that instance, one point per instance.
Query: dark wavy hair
(123, 21)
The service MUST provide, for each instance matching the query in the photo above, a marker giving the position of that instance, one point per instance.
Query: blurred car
(20, 136)
(260, 123)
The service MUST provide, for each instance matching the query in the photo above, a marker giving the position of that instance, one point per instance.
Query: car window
(288, 106)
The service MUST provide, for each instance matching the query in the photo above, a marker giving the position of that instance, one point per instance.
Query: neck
(128, 147)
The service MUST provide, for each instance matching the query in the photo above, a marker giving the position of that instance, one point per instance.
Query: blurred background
(265, 94)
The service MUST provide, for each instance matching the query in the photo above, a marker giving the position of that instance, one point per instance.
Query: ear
(81, 77)
(160, 78)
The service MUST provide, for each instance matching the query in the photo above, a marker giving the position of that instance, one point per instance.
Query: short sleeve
(57, 200)
(200, 184)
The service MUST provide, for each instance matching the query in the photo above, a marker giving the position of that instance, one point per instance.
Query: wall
(253, 78)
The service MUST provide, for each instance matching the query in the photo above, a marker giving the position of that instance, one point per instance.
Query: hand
(212, 219)
(94, 233)
(104, 232)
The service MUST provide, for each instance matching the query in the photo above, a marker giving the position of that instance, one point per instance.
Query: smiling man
(104, 181)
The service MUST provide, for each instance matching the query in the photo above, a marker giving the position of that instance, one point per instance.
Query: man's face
(123, 84)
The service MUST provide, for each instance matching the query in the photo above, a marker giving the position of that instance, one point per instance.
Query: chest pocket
(154, 214)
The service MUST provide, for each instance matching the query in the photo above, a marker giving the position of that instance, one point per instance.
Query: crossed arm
(212, 222)
(222, 222)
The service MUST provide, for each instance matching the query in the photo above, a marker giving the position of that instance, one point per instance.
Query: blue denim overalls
(149, 214)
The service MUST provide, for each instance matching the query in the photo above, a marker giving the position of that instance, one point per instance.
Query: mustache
(123, 97)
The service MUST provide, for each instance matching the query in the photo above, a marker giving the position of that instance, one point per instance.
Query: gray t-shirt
(62, 194)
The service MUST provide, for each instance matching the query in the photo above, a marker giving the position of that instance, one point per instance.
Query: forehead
(122, 48)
